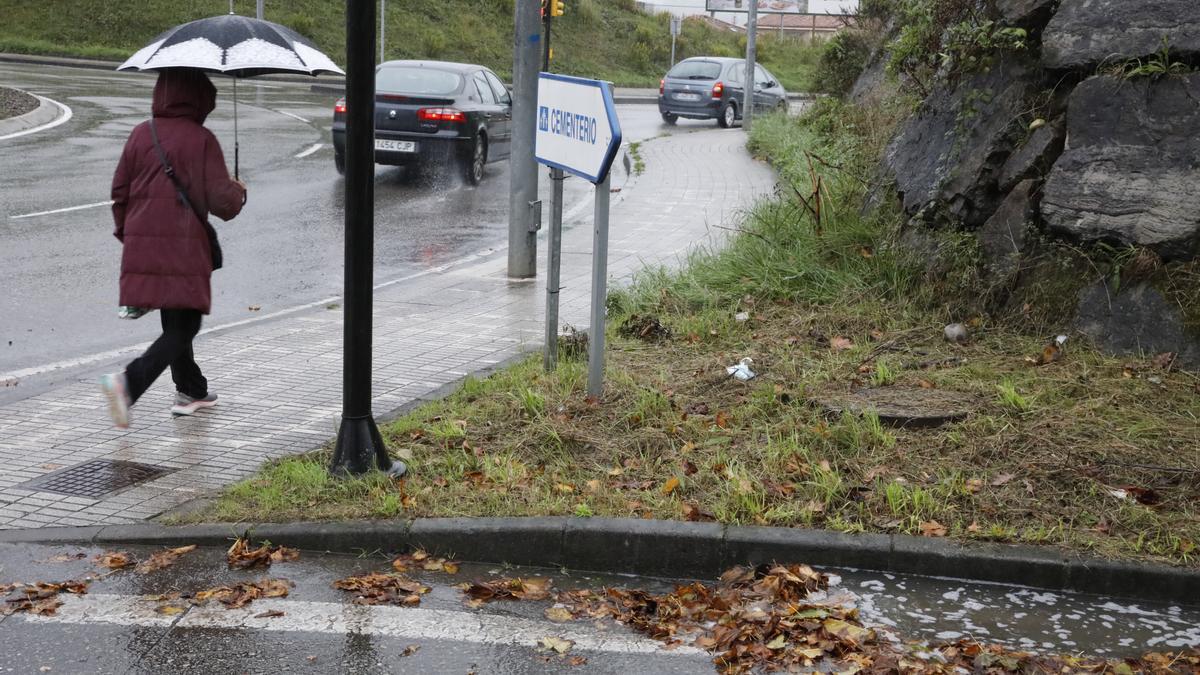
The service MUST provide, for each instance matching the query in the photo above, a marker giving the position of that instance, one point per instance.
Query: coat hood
(184, 92)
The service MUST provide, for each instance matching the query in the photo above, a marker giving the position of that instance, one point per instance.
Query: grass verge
(1086, 452)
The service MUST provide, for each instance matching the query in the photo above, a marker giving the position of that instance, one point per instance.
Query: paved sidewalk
(280, 381)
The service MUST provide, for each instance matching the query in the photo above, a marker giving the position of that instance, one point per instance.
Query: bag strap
(170, 171)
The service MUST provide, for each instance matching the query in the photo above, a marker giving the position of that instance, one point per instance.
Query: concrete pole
(258, 10)
(748, 85)
(595, 382)
(524, 210)
(382, 29)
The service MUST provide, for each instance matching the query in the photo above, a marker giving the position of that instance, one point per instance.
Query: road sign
(676, 25)
(577, 126)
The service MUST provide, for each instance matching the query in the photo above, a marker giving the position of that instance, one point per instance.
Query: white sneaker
(117, 391)
(186, 405)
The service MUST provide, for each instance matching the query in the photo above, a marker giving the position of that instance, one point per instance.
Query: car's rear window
(411, 80)
(696, 70)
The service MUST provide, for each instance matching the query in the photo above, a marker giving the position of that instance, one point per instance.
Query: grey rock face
(1087, 32)
(1131, 171)
(1002, 237)
(1036, 157)
(1018, 11)
(947, 157)
(1138, 320)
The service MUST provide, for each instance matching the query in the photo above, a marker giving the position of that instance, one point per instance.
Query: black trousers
(172, 349)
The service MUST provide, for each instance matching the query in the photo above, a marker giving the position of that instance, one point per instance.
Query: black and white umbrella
(235, 45)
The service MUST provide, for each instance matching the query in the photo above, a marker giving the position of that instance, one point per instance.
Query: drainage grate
(95, 478)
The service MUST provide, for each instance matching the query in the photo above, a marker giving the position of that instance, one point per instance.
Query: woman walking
(171, 176)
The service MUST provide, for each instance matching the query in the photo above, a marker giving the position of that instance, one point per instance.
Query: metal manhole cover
(95, 478)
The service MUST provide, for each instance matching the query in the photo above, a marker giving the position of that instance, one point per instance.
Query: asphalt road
(58, 271)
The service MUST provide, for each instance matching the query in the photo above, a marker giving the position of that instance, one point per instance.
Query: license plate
(395, 146)
(687, 97)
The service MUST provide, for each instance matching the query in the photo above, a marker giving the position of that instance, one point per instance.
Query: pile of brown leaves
(40, 597)
(242, 556)
(243, 593)
(381, 588)
(423, 561)
(480, 592)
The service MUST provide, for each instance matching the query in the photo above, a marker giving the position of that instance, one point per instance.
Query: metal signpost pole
(523, 207)
(359, 446)
(382, 29)
(259, 10)
(676, 24)
(554, 265)
(748, 85)
(595, 386)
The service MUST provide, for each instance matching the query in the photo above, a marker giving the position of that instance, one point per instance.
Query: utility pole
(748, 85)
(259, 10)
(359, 448)
(524, 209)
(382, 29)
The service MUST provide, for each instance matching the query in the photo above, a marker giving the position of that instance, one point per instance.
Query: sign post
(676, 28)
(578, 133)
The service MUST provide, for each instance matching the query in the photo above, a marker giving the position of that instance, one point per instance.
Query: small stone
(956, 333)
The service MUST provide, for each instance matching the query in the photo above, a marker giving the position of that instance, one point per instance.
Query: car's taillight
(718, 89)
(662, 86)
(340, 106)
(441, 115)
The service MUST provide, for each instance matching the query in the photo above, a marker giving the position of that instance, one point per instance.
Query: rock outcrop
(1086, 33)
(1131, 172)
(1138, 321)
(947, 158)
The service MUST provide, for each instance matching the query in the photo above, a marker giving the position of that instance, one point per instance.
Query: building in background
(811, 19)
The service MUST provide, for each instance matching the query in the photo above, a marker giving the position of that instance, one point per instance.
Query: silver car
(710, 87)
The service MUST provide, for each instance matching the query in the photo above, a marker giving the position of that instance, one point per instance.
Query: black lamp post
(360, 448)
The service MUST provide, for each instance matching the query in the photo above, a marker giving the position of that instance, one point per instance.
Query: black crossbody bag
(218, 258)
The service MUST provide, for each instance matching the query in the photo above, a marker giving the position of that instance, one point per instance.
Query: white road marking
(295, 117)
(69, 208)
(62, 119)
(309, 151)
(340, 619)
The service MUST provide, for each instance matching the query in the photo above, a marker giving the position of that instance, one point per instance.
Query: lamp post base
(360, 449)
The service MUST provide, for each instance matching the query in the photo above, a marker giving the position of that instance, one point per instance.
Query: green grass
(596, 38)
(834, 306)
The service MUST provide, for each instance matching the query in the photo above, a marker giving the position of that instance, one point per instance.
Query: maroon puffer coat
(166, 263)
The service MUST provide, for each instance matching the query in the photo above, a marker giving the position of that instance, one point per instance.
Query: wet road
(115, 628)
(58, 271)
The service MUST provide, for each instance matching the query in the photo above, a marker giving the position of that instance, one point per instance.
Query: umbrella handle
(236, 149)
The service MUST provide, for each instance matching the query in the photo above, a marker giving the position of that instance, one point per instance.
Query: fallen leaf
(410, 650)
(1164, 361)
(847, 632)
(973, 527)
(689, 468)
(241, 556)
(974, 485)
(693, 513)
(170, 610)
(506, 588)
(1002, 479)
(557, 645)
(380, 588)
(254, 308)
(926, 384)
(114, 560)
(270, 614)
(163, 559)
(577, 661)
(779, 642)
(722, 420)
(670, 486)
(559, 614)
(933, 528)
(64, 557)
(840, 344)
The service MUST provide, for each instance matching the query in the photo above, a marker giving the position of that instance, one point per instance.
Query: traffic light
(556, 8)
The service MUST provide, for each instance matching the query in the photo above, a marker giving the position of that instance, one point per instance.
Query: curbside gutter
(668, 549)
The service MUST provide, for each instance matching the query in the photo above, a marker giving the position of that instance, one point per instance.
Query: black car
(435, 113)
(710, 87)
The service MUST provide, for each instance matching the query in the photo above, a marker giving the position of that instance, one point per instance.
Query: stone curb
(45, 113)
(667, 549)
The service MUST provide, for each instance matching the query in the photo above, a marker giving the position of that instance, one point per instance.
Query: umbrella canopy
(234, 45)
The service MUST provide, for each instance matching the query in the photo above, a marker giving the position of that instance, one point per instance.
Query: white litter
(742, 370)
(741, 317)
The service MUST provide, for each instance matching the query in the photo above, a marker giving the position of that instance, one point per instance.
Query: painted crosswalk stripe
(338, 618)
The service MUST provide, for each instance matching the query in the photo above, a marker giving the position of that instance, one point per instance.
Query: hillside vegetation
(607, 39)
